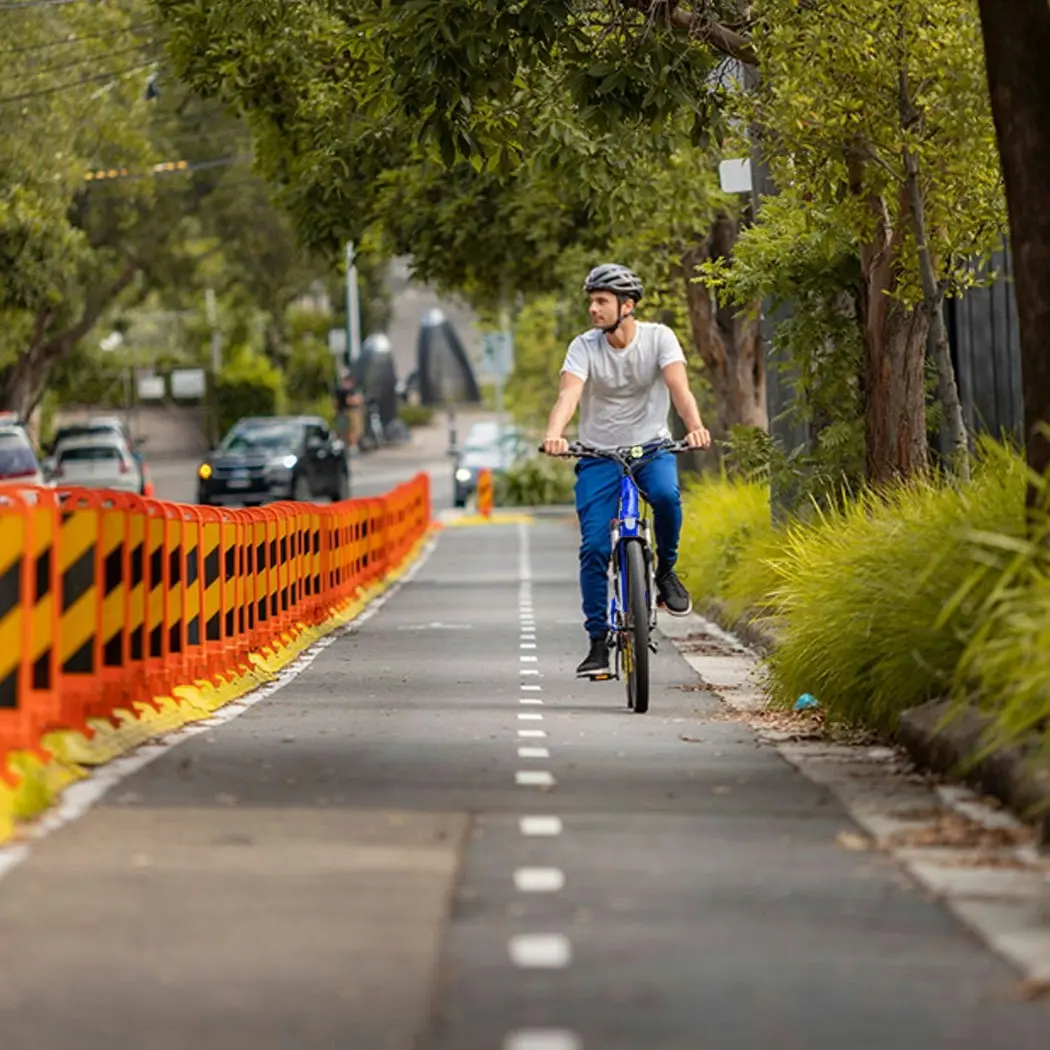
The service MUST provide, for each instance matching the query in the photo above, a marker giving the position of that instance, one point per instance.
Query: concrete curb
(943, 738)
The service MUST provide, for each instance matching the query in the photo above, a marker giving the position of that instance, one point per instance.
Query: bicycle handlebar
(578, 450)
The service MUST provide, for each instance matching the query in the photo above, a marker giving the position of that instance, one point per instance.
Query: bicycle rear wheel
(636, 633)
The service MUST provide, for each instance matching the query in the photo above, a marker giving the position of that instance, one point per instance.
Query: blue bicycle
(632, 570)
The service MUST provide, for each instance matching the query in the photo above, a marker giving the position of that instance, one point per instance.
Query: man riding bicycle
(622, 374)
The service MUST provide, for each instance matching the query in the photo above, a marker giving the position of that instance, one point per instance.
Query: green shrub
(722, 518)
(309, 375)
(416, 415)
(537, 481)
(248, 386)
(1004, 667)
(873, 616)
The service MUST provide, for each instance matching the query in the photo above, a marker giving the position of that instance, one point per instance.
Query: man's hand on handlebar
(555, 446)
(699, 438)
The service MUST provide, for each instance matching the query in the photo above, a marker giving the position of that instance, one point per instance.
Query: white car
(18, 462)
(101, 461)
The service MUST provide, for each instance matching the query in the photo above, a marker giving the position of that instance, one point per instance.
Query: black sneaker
(672, 595)
(597, 660)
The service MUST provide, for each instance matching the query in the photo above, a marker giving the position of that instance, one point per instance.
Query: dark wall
(982, 327)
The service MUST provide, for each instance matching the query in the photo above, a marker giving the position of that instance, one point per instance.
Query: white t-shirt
(625, 400)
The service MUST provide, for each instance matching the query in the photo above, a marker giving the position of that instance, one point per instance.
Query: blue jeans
(597, 504)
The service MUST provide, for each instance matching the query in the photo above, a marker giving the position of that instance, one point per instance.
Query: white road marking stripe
(529, 670)
(530, 659)
(542, 1039)
(546, 951)
(533, 752)
(537, 826)
(530, 700)
(533, 778)
(523, 717)
(532, 734)
(539, 880)
(532, 688)
(528, 645)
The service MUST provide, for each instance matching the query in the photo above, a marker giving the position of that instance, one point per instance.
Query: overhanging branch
(728, 41)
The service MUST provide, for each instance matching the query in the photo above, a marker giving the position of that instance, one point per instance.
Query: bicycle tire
(636, 634)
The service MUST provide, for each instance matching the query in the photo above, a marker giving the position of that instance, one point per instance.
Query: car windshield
(16, 457)
(274, 438)
(83, 453)
(486, 438)
(86, 430)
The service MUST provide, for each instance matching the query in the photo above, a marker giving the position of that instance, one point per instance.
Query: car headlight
(282, 467)
(463, 475)
(204, 471)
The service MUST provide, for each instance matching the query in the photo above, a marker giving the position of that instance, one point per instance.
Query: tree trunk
(1016, 46)
(23, 382)
(727, 339)
(894, 359)
(933, 294)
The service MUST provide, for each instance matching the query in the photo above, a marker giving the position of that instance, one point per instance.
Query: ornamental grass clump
(1005, 668)
(723, 519)
(876, 602)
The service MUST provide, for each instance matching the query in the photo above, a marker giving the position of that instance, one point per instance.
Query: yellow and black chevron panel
(113, 527)
(192, 591)
(261, 573)
(43, 633)
(156, 584)
(175, 583)
(78, 548)
(231, 583)
(282, 525)
(137, 585)
(211, 559)
(14, 619)
(316, 560)
(273, 577)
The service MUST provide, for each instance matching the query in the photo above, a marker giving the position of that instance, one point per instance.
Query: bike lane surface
(434, 838)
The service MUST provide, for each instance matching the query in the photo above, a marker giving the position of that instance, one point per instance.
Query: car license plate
(239, 481)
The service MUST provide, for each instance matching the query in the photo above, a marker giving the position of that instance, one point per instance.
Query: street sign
(187, 383)
(151, 388)
(734, 176)
(497, 354)
(337, 342)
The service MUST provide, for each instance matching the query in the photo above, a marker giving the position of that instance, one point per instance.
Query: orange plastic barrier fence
(108, 600)
(485, 493)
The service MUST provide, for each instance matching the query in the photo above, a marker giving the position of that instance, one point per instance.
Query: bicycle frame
(630, 524)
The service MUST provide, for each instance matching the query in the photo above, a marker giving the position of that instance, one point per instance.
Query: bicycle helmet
(612, 277)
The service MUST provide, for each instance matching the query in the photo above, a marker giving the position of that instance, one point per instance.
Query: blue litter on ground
(806, 702)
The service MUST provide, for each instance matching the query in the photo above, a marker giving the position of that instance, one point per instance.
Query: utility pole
(212, 310)
(353, 316)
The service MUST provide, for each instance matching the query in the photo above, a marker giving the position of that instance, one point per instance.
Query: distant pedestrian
(348, 406)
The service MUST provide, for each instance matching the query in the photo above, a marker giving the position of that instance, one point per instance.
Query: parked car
(273, 458)
(97, 461)
(488, 446)
(18, 462)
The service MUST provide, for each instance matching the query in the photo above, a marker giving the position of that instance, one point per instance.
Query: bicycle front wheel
(636, 634)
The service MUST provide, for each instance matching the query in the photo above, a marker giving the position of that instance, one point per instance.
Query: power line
(39, 93)
(28, 74)
(25, 5)
(69, 41)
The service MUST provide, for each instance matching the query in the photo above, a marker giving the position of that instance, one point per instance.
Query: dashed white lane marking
(532, 688)
(540, 827)
(529, 670)
(533, 752)
(529, 717)
(534, 778)
(530, 659)
(530, 700)
(542, 1039)
(528, 645)
(540, 951)
(539, 880)
(532, 734)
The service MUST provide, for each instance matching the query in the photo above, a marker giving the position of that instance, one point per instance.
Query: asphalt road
(372, 474)
(434, 838)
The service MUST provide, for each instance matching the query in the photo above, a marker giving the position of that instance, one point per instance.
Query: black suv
(273, 458)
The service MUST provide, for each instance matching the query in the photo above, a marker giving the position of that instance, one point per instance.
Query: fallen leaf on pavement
(852, 841)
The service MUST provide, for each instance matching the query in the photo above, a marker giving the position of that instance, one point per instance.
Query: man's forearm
(686, 407)
(561, 414)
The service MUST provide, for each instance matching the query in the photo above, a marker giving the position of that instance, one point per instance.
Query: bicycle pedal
(601, 677)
